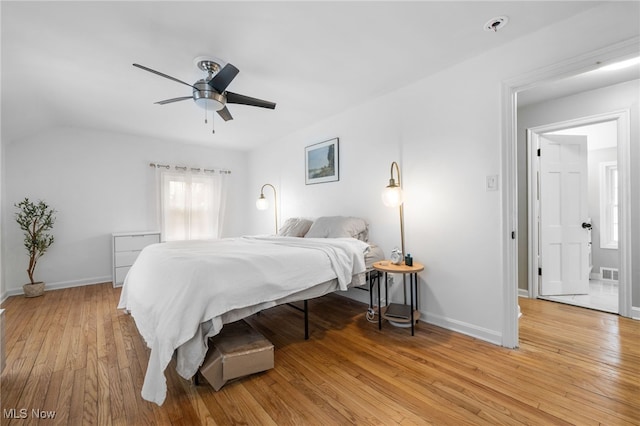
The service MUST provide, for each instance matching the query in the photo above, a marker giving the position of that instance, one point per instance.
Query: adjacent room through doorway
(600, 227)
(601, 113)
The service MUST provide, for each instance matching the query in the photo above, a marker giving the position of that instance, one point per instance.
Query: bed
(181, 293)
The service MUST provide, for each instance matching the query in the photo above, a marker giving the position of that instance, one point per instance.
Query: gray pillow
(339, 226)
(295, 227)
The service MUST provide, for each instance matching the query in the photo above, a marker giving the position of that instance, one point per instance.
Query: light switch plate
(492, 183)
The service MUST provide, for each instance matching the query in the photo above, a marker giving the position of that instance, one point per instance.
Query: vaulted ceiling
(70, 63)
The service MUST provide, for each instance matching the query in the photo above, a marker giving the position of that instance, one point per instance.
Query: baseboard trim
(471, 330)
(523, 292)
(487, 335)
(62, 284)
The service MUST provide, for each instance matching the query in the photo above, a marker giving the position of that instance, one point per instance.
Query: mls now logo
(23, 413)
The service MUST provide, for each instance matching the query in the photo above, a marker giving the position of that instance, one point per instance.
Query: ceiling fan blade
(225, 114)
(168, 101)
(221, 80)
(142, 67)
(235, 98)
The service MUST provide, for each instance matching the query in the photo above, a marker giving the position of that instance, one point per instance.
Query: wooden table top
(387, 266)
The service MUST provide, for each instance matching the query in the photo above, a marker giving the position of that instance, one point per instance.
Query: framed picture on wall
(322, 162)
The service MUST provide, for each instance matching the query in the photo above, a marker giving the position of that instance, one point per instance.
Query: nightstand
(396, 312)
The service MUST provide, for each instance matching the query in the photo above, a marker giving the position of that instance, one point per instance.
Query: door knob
(586, 226)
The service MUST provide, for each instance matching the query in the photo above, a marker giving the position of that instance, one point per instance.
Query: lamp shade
(392, 196)
(262, 203)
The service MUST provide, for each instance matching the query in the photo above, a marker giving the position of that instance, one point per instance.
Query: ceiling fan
(210, 92)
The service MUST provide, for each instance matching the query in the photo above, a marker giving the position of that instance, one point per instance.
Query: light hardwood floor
(73, 353)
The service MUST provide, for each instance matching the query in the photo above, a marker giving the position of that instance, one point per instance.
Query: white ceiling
(69, 63)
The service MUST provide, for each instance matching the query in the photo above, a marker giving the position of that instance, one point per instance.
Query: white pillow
(339, 226)
(295, 227)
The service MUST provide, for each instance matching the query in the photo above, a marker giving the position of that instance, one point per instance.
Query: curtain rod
(185, 168)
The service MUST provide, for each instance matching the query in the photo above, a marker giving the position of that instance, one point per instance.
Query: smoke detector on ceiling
(496, 24)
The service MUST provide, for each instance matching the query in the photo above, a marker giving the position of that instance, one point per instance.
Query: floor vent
(609, 274)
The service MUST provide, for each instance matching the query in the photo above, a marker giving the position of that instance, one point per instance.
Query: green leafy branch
(36, 220)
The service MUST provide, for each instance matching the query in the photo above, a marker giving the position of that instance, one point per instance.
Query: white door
(564, 223)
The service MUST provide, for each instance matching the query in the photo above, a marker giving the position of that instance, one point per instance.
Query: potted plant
(35, 220)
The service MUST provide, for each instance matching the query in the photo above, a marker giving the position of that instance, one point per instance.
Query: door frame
(508, 168)
(622, 120)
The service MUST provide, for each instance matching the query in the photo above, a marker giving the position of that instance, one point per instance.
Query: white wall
(613, 98)
(99, 183)
(445, 133)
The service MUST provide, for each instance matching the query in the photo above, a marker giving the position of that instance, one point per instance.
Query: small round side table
(389, 268)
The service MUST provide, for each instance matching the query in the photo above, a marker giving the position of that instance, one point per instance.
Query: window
(191, 205)
(609, 205)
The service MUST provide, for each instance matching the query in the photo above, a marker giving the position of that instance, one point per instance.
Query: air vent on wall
(609, 274)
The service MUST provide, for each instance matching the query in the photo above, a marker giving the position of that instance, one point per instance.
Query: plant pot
(33, 290)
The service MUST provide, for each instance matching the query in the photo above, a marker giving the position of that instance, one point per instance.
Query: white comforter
(180, 293)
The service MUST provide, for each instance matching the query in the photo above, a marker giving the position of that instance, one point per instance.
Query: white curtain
(192, 203)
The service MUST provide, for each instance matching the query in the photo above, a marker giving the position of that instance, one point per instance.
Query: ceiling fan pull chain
(213, 115)
(205, 113)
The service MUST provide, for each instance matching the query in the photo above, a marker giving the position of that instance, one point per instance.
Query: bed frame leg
(306, 320)
(306, 316)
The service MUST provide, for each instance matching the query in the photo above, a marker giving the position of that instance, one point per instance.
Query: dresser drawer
(121, 272)
(134, 242)
(125, 258)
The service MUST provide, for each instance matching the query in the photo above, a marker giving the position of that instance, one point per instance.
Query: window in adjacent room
(609, 205)
(192, 204)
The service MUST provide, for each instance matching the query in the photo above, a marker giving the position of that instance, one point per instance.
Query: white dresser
(126, 247)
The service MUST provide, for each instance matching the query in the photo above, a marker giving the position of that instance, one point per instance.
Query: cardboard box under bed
(238, 350)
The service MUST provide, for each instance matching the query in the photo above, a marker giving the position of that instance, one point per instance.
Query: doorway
(515, 249)
(582, 267)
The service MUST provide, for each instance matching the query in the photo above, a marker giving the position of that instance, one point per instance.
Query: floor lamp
(263, 204)
(392, 196)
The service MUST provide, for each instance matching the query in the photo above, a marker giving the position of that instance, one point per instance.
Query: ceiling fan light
(209, 104)
(207, 98)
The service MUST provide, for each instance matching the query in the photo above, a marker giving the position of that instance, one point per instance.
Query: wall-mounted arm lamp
(263, 204)
(392, 196)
